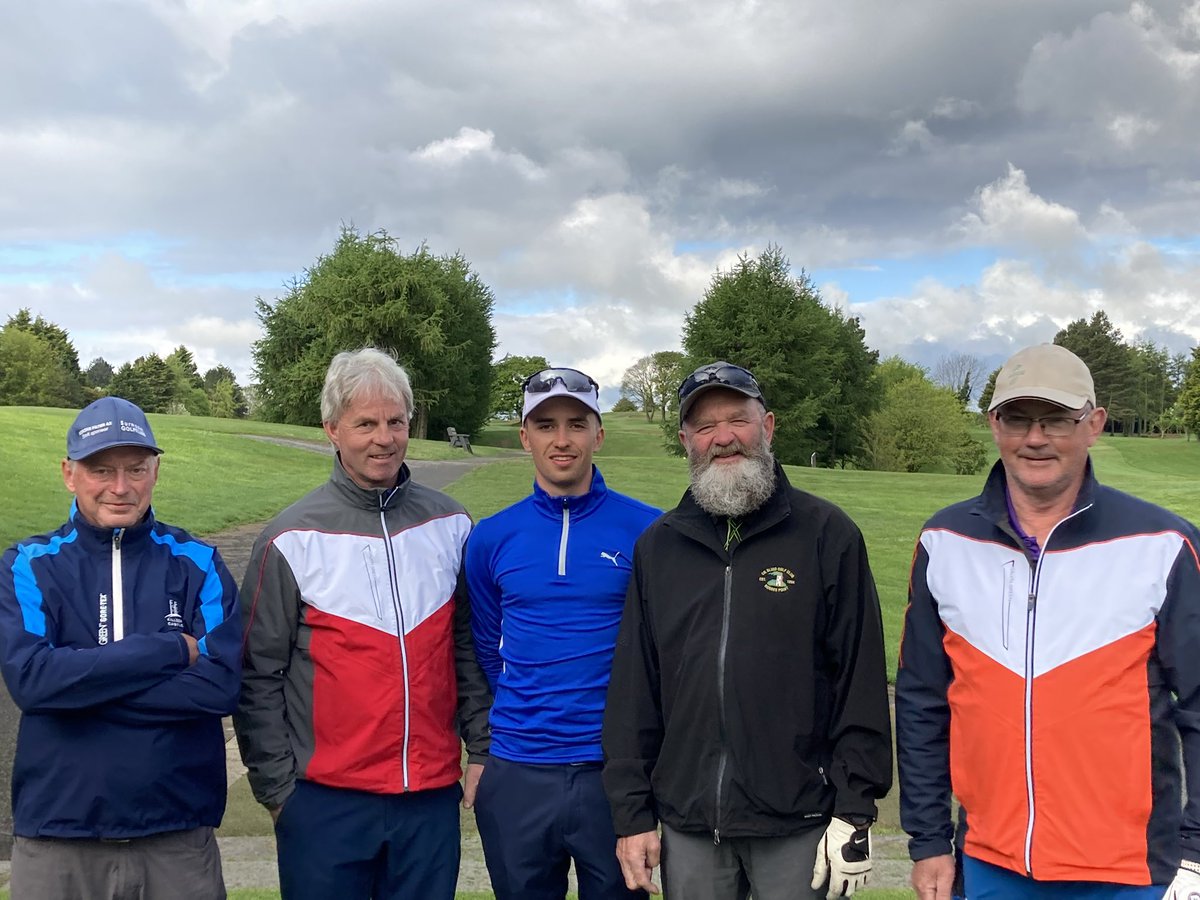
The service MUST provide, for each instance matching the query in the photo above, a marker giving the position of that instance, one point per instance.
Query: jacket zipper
(1035, 577)
(562, 540)
(118, 588)
(723, 759)
(393, 582)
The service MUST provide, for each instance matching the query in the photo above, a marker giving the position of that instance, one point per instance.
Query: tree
(432, 312)
(221, 400)
(30, 374)
(212, 381)
(59, 346)
(1154, 387)
(961, 373)
(921, 426)
(507, 377)
(651, 383)
(1100, 345)
(1189, 396)
(147, 381)
(189, 386)
(812, 361)
(637, 386)
(623, 405)
(985, 396)
(98, 373)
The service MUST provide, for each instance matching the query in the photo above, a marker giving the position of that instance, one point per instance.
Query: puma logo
(611, 557)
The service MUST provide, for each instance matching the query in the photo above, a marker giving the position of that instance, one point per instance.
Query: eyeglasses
(1052, 426)
(722, 373)
(572, 379)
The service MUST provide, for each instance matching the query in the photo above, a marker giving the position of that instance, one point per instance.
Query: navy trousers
(354, 845)
(988, 882)
(533, 820)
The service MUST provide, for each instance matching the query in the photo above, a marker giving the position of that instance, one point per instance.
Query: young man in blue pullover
(547, 580)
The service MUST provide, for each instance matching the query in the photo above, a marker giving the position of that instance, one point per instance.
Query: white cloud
(1008, 213)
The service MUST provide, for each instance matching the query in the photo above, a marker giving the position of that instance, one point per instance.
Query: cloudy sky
(962, 176)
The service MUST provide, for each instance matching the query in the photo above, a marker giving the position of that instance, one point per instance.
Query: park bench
(459, 440)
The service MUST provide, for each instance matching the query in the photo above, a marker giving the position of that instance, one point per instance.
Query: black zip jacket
(749, 688)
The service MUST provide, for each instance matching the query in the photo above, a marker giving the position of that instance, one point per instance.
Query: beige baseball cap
(1045, 372)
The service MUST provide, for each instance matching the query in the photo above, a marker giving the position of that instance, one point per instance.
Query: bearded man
(747, 713)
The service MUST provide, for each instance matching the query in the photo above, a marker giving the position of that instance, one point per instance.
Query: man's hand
(638, 855)
(193, 648)
(933, 878)
(471, 784)
(1186, 885)
(843, 858)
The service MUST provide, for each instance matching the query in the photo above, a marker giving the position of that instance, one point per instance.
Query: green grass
(213, 475)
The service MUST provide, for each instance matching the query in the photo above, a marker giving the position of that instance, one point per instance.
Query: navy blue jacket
(547, 579)
(119, 736)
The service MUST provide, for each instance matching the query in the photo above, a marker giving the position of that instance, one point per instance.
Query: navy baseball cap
(106, 423)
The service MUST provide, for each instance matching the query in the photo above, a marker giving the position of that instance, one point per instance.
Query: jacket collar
(93, 534)
(369, 498)
(580, 505)
(691, 520)
(993, 505)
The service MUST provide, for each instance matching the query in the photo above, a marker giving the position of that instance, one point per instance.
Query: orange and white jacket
(1057, 698)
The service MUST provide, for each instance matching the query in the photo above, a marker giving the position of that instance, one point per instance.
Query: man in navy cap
(747, 714)
(119, 641)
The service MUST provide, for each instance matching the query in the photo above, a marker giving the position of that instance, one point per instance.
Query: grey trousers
(178, 865)
(694, 868)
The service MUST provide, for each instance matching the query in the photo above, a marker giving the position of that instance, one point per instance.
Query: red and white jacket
(1058, 698)
(357, 647)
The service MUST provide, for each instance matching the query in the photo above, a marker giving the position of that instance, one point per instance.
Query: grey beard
(734, 490)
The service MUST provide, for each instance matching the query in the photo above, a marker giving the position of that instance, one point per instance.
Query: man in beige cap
(1049, 674)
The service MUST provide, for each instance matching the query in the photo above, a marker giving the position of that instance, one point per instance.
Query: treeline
(1145, 388)
(39, 366)
(836, 402)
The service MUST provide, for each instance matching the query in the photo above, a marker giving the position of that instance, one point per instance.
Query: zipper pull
(1032, 601)
(717, 836)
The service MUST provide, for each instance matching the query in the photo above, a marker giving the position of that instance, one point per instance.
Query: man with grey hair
(747, 713)
(358, 659)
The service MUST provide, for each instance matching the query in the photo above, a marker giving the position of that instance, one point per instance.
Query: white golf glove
(843, 858)
(1186, 885)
